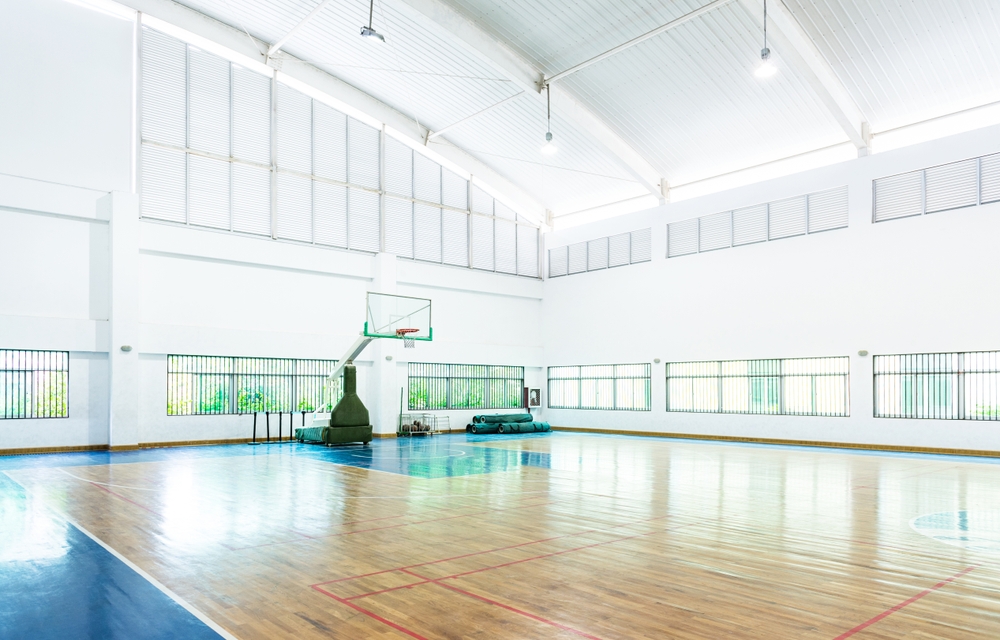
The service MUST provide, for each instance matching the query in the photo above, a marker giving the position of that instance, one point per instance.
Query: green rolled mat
(503, 418)
(483, 428)
(522, 427)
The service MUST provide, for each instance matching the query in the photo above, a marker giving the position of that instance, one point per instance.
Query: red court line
(124, 498)
(513, 562)
(477, 553)
(507, 607)
(372, 615)
(892, 610)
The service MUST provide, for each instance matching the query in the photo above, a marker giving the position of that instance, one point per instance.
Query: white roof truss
(440, 17)
(799, 50)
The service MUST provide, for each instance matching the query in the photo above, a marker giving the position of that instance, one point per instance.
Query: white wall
(66, 114)
(65, 141)
(915, 285)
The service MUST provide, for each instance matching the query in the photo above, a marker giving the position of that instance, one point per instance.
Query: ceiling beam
(435, 134)
(273, 49)
(798, 49)
(444, 21)
(673, 24)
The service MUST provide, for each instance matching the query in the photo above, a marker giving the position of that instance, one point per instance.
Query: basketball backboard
(392, 316)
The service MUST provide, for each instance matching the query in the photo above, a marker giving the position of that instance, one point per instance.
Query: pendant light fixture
(368, 32)
(548, 148)
(766, 69)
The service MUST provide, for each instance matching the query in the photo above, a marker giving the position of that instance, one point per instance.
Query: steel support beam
(439, 18)
(274, 48)
(673, 24)
(798, 49)
(432, 135)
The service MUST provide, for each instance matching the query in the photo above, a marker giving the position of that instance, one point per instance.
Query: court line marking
(156, 583)
(118, 495)
(507, 607)
(513, 562)
(373, 615)
(513, 546)
(888, 612)
(120, 486)
(134, 567)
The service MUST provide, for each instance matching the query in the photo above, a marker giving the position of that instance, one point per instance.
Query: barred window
(622, 387)
(792, 386)
(942, 386)
(34, 384)
(198, 385)
(465, 386)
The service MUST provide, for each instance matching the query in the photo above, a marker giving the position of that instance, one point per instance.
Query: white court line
(131, 565)
(156, 583)
(105, 484)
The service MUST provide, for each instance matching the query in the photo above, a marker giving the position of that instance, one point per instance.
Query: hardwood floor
(558, 535)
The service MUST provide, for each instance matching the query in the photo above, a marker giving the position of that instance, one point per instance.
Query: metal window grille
(465, 386)
(791, 386)
(231, 149)
(956, 185)
(200, 385)
(619, 387)
(34, 384)
(939, 386)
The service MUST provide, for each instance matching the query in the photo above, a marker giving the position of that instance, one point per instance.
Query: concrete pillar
(122, 212)
(383, 388)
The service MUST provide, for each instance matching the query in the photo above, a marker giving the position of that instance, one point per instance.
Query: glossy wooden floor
(564, 536)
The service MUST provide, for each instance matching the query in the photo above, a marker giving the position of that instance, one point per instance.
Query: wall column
(382, 388)
(122, 212)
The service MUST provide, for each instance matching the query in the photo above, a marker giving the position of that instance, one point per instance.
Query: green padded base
(334, 435)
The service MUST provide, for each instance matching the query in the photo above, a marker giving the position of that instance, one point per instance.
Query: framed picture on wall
(534, 398)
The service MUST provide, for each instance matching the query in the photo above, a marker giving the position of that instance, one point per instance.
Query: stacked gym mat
(507, 423)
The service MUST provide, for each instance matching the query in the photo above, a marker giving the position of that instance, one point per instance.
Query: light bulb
(766, 69)
(548, 148)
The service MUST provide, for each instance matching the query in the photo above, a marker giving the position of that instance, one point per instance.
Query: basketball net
(408, 342)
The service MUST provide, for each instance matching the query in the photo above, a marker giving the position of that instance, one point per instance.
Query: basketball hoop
(408, 343)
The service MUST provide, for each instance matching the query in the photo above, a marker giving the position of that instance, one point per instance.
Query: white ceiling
(686, 100)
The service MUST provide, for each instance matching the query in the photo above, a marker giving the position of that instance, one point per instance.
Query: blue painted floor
(56, 582)
(423, 457)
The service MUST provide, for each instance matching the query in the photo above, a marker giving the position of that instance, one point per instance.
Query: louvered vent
(642, 245)
(951, 186)
(399, 227)
(330, 214)
(714, 232)
(578, 257)
(558, 262)
(619, 247)
(682, 238)
(990, 179)
(786, 218)
(899, 196)
(597, 254)
(750, 225)
(482, 242)
(828, 210)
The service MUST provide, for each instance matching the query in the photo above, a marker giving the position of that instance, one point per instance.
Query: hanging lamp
(548, 148)
(766, 69)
